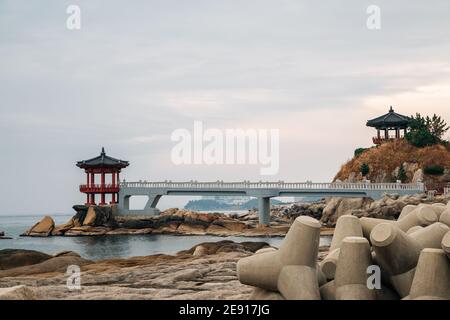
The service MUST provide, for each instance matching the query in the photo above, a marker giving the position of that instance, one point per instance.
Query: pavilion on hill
(387, 123)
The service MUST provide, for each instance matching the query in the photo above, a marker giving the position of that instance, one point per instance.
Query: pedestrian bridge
(261, 190)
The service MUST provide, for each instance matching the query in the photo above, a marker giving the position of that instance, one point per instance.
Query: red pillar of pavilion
(102, 165)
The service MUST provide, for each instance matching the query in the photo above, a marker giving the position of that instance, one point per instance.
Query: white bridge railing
(275, 185)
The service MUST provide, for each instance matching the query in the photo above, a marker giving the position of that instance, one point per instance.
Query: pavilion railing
(99, 188)
(276, 185)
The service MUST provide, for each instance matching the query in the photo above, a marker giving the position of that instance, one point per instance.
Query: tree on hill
(402, 174)
(426, 131)
(364, 169)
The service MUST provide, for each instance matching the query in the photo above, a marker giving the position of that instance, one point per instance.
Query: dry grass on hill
(390, 155)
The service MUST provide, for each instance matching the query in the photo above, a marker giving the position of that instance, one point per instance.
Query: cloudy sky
(138, 70)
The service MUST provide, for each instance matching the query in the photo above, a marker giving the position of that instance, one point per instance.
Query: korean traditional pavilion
(387, 123)
(101, 165)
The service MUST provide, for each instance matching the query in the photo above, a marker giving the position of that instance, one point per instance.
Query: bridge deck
(262, 190)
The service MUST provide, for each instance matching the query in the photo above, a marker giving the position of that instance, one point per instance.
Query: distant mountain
(208, 205)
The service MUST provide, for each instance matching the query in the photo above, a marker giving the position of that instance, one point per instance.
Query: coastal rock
(86, 231)
(54, 264)
(123, 231)
(137, 224)
(235, 226)
(94, 215)
(42, 229)
(12, 258)
(200, 251)
(81, 211)
(18, 293)
(182, 276)
(208, 248)
(191, 229)
(90, 217)
(59, 230)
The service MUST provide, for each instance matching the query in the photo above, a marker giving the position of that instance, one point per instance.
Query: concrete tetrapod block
(328, 264)
(262, 294)
(432, 277)
(414, 229)
(321, 277)
(431, 236)
(346, 226)
(445, 217)
(351, 271)
(300, 247)
(397, 254)
(438, 208)
(327, 291)
(368, 224)
(406, 210)
(445, 244)
(422, 216)
(298, 283)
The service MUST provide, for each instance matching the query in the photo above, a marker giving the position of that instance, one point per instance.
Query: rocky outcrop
(42, 229)
(2, 236)
(184, 276)
(100, 220)
(57, 263)
(12, 258)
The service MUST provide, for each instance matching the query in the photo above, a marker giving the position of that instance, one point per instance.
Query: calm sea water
(104, 247)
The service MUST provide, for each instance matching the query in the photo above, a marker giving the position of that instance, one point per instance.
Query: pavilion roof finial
(391, 109)
(103, 151)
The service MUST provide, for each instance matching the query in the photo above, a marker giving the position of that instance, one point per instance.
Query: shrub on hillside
(434, 170)
(360, 151)
(365, 169)
(402, 174)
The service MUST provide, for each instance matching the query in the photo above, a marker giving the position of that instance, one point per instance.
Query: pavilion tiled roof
(102, 161)
(390, 120)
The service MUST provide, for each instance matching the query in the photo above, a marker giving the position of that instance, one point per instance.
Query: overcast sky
(138, 70)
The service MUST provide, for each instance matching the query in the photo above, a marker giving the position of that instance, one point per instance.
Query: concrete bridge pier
(264, 210)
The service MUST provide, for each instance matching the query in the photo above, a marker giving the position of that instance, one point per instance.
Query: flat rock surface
(209, 274)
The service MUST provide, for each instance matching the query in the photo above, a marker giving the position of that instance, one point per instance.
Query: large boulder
(12, 258)
(89, 219)
(42, 229)
(81, 211)
(95, 215)
(337, 207)
(418, 176)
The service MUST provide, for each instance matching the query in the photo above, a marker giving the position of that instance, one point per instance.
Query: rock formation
(184, 276)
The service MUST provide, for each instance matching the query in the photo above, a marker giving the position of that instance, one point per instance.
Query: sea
(106, 247)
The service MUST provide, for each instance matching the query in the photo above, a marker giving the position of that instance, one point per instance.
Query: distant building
(390, 121)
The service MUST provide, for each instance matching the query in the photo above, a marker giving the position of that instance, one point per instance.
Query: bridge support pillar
(264, 210)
